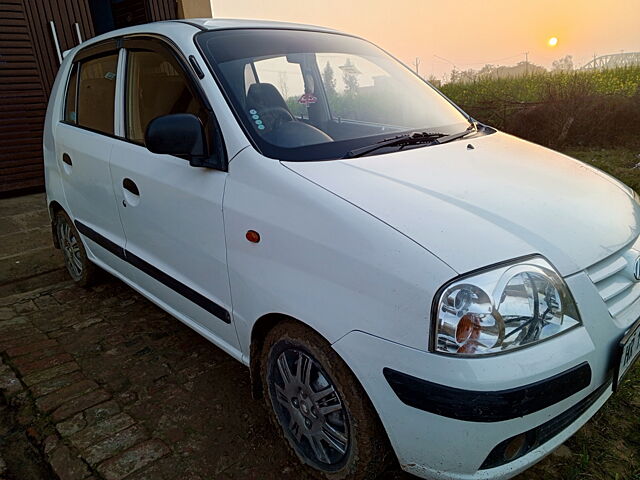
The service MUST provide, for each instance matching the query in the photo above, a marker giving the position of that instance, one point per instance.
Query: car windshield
(306, 95)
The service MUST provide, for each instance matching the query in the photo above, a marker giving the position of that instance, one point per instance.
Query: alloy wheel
(309, 408)
(69, 244)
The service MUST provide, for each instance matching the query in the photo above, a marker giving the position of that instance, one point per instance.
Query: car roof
(199, 23)
(227, 23)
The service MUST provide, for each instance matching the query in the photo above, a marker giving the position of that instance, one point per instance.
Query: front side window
(96, 93)
(156, 86)
(305, 95)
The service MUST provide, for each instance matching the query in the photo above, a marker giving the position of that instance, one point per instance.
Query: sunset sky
(466, 33)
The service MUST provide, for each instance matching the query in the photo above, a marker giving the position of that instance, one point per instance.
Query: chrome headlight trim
(493, 279)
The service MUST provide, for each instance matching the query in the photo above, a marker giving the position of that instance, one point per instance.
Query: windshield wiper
(473, 128)
(414, 138)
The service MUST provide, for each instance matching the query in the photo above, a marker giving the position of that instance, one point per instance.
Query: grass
(622, 163)
(585, 108)
(608, 446)
(536, 87)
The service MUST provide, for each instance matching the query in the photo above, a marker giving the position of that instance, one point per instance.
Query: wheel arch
(259, 332)
(54, 208)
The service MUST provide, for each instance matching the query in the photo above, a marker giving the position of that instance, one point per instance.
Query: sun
(553, 41)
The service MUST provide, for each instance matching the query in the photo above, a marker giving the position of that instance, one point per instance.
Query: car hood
(503, 198)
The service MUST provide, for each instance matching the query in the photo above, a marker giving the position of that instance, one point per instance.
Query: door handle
(67, 159)
(130, 186)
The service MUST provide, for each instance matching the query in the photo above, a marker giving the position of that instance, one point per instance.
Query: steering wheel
(278, 116)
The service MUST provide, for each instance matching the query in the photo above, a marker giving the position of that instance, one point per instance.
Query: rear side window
(96, 93)
(70, 114)
(156, 86)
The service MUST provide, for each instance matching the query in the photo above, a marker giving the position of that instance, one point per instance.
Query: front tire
(319, 407)
(82, 271)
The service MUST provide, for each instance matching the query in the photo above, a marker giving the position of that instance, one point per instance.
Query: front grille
(614, 279)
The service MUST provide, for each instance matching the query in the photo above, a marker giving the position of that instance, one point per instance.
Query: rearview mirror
(180, 134)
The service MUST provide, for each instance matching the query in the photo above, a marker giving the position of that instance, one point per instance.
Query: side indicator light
(253, 236)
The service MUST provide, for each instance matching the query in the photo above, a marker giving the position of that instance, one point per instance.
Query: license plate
(630, 351)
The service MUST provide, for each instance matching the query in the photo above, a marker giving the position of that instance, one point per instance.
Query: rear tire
(319, 407)
(81, 270)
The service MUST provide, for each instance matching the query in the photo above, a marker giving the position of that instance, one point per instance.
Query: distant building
(33, 35)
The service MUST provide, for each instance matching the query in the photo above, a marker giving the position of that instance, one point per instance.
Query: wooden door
(29, 62)
(22, 102)
(28, 65)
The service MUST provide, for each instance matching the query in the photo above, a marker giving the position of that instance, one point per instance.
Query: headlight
(502, 309)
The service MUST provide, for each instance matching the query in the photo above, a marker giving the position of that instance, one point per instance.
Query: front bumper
(432, 445)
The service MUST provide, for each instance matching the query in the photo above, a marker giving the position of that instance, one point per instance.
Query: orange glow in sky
(465, 33)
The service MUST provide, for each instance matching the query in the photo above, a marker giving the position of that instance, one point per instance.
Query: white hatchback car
(398, 277)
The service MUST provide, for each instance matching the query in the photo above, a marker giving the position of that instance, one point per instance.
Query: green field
(538, 87)
(560, 110)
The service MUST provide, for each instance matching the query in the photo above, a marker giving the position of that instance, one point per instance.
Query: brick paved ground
(101, 384)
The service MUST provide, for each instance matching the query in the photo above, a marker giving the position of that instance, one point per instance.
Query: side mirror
(180, 134)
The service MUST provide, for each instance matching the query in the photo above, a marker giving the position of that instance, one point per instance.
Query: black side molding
(487, 406)
(154, 272)
(101, 240)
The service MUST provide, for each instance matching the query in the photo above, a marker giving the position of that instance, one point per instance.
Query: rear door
(171, 211)
(84, 140)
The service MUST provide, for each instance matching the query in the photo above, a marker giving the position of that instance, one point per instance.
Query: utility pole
(526, 63)
(416, 64)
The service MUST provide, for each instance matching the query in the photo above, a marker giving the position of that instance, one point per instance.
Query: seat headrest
(264, 95)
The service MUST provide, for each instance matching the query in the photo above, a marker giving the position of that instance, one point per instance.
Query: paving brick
(133, 459)
(19, 331)
(6, 313)
(46, 301)
(50, 373)
(57, 398)
(25, 307)
(79, 404)
(9, 384)
(50, 443)
(101, 412)
(72, 425)
(45, 363)
(31, 347)
(6, 343)
(86, 323)
(11, 323)
(115, 444)
(68, 466)
(40, 354)
(96, 433)
(49, 386)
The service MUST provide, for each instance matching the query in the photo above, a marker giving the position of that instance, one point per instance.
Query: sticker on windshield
(256, 119)
(307, 99)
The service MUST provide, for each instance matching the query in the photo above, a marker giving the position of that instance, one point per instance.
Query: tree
(350, 78)
(329, 80)
(564, 64)
(282, 83)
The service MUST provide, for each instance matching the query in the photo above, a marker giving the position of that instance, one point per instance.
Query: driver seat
(262, 97)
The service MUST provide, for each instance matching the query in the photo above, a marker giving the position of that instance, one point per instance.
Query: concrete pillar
(195, 8)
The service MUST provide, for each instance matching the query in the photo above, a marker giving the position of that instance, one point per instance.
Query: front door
(171, 212)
